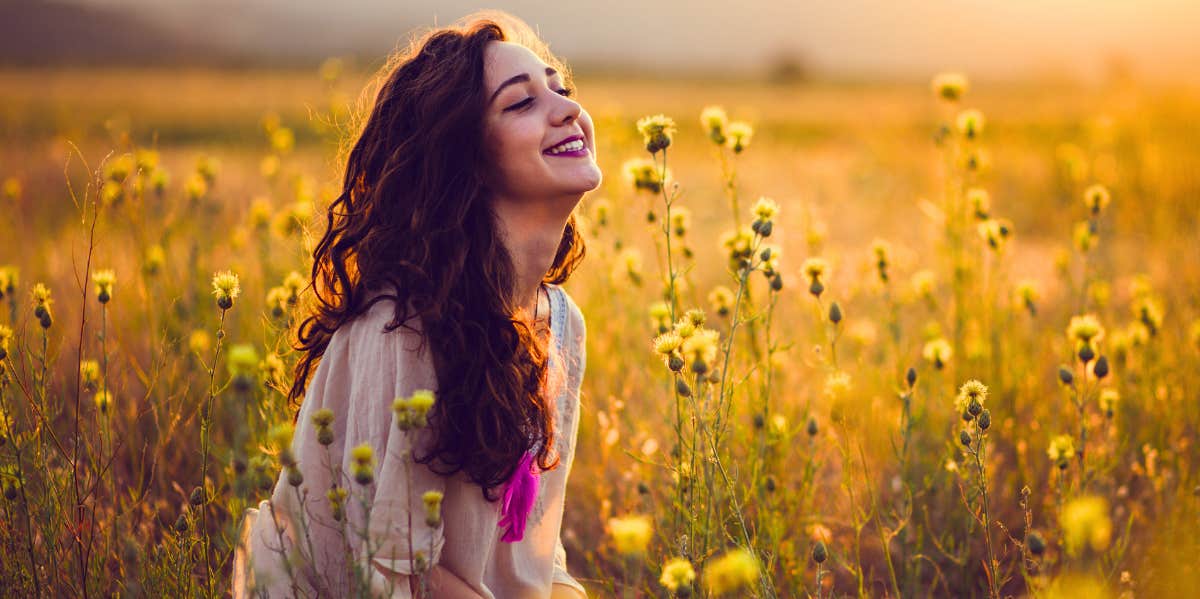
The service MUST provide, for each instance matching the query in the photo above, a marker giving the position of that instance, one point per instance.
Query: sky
(1013, 39)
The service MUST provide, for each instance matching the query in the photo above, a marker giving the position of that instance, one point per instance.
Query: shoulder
(370, 334)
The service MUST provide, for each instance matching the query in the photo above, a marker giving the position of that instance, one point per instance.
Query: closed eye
(565, 92)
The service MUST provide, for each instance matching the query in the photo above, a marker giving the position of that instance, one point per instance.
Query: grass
(790, 424)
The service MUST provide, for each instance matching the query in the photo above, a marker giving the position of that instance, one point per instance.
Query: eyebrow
(517, 79)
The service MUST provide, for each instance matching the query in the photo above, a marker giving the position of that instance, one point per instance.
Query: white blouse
(362, 371)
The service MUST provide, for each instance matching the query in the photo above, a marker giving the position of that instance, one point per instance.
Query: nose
(568, 111)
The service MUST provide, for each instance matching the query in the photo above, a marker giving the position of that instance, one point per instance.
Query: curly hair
(414, 221)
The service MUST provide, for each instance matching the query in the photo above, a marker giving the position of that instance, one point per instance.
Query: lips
(562, 141)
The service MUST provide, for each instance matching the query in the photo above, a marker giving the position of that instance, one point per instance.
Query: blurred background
(208, 130)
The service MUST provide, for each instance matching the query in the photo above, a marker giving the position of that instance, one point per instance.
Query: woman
(440, 270)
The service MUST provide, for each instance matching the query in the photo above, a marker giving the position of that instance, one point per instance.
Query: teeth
(570, 146)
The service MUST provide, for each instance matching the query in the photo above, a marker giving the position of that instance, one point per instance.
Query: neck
(531, 235)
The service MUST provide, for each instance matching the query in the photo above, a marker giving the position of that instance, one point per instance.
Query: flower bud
(294, 477)
(835, 313)
(819, 552)
(1101, 367)
(985, 420)
(197, 497)
(965, 438)
(181, 524)
(1086, 353)
(1064, 375)
(776, 282)
(1035, 543)
(675, 363)
(975, 407)
(682, 388)
(910, 376)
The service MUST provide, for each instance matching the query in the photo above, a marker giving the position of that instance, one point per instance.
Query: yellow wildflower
(713, 120)
(1086, 524)
(677, 573)
(739, 134)
(631, 534)
(657, 132)
(949, 86)
(734, 571)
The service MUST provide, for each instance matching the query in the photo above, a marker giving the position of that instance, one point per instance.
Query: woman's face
(529, 116)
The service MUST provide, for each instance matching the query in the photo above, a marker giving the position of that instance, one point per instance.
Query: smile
(573, 147)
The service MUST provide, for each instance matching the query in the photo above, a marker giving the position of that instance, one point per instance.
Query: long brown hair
(414, 221)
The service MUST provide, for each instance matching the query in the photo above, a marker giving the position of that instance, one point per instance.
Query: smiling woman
(452, 235)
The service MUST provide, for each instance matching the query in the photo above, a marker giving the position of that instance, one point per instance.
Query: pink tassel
(519, 495)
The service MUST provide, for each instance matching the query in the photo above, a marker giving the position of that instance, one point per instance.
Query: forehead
(505, 59)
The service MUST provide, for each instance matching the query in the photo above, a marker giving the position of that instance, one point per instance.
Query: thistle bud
(765, 229)
(819, 552)
(816, 288)
(776, 282)
(295, 478)
(759, 421)
(985, 420)
(910, 376)
(965, 438)
(1086, 353)
(975, 407)
(675, 363)
(1101, 367)
(835, 313)
(181, 524)
(1035, 543)
(1064, 375)
(812, 429)
(682, 388)
(197, 496)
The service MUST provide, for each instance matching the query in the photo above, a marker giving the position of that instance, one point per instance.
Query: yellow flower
(738, 244)
(269, 166)
(938, 351)
(272, 370)
(281, 436)
(1086, 524)
(242, 359)
(1149, 312)
(89, 374)
(41, 295)
(700, 349)
(1096, 198)
(8, 280)
(765, 209)
(993, 232)
(643, 174)
(815, 268)
(206, 167)
(721, 298)
(922, 282)
(628, 265)
(970, 123)
(433, 507)
(283, 140)
(980, 201)
(1027, 293)
(677, 573)
(104, 400)
(1085, 328)
(1109, 398)
(195, 187)
(949, 86)
(1061, 450)
(226, 288)
(969, 393)
(6, 334)
(1083, 236)
(104, 284)
(681, 221)
(156, 256)
(657, 132)
(363, 457)
(667, 344)
(713, 120)
(739, 134)
(631, 534)
(734, 571)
